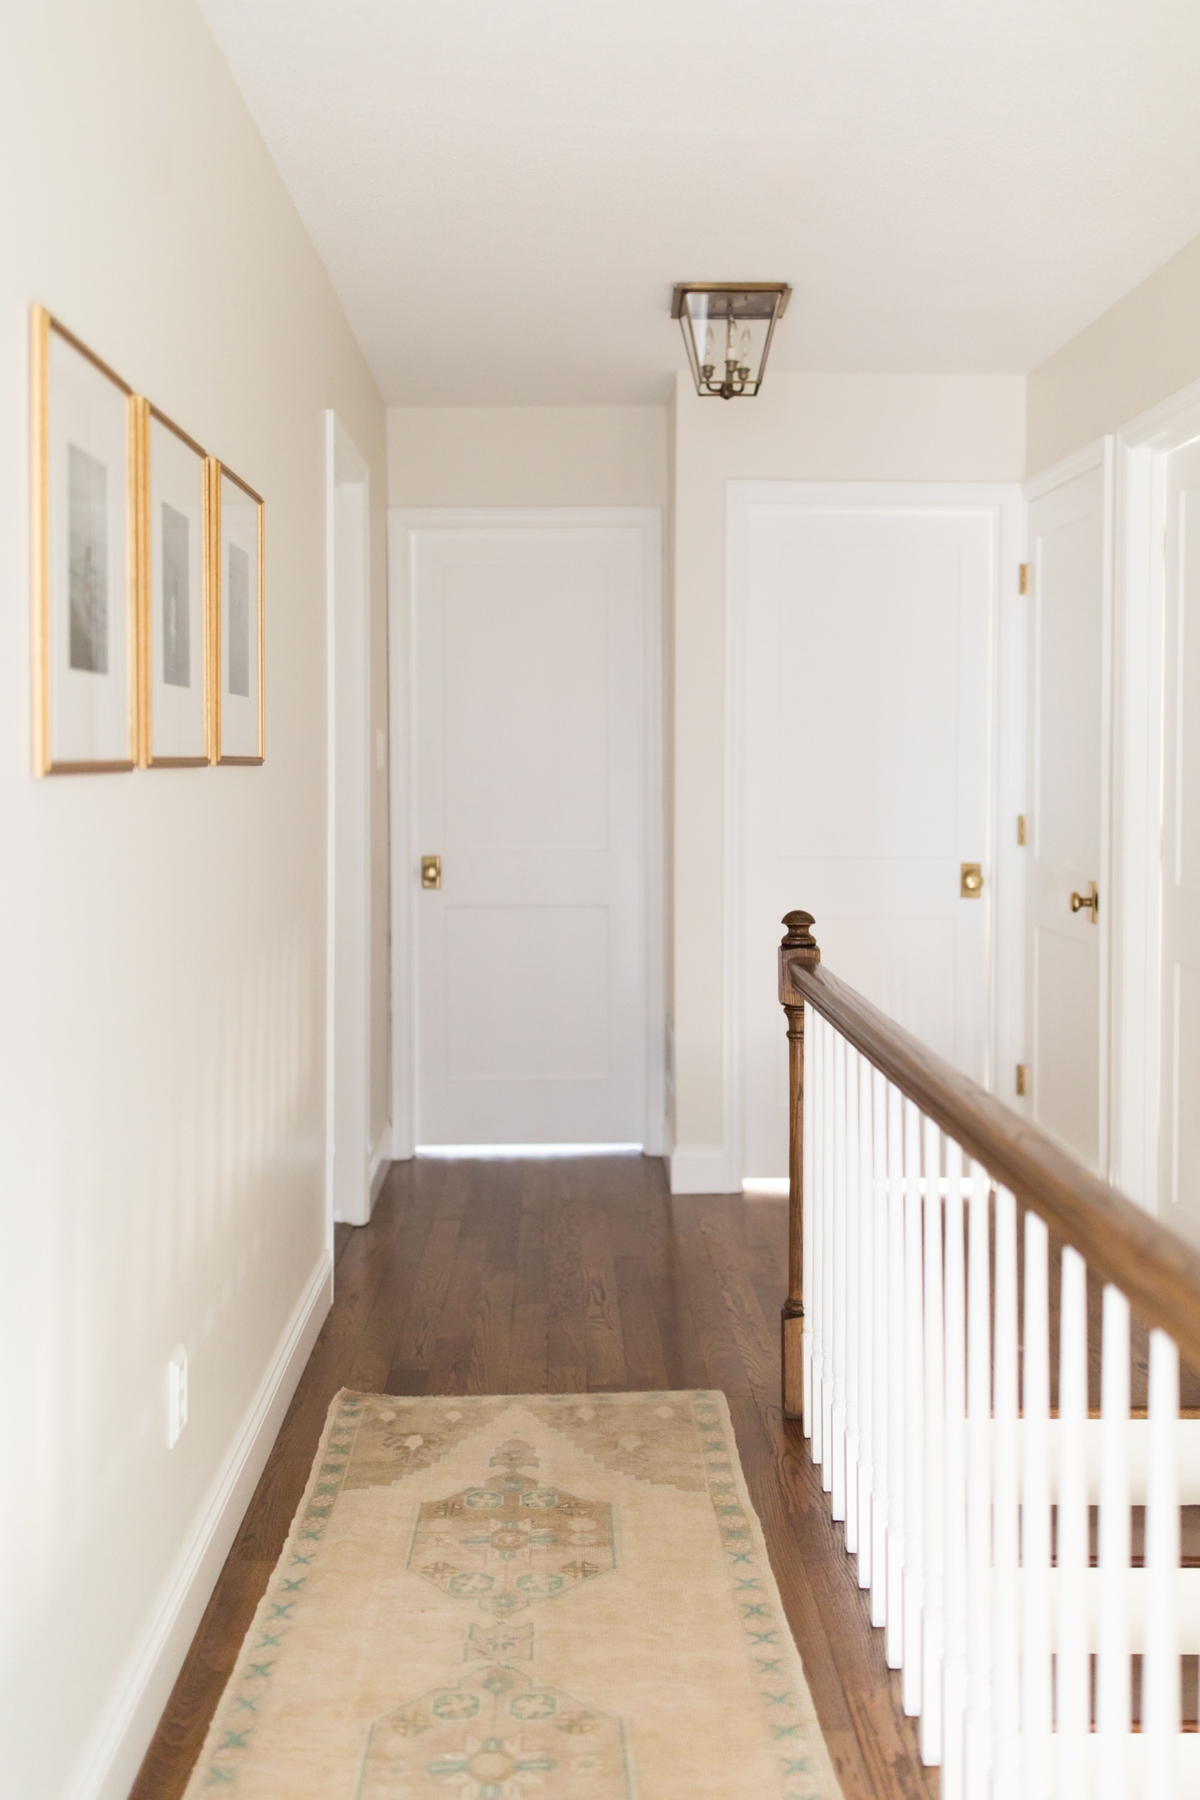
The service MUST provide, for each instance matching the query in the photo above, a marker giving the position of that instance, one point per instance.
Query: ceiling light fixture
(728, 327)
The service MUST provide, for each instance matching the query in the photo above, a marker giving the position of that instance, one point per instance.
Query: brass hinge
(1021, 832)
(1021, 1079)
(1023, 579)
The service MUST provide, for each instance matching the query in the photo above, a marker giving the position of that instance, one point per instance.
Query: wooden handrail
(1157, 1271)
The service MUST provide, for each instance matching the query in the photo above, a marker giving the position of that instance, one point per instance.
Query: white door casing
(1068, 803)
(534, 1011)
(353, 1173)
(1179, 1121)
(863, 649)
(1145, 669)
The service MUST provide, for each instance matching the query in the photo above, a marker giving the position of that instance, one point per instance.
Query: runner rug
(550, 1597)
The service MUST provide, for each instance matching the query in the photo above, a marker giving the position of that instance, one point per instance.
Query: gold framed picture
(84, 494)
(173, 636)
(236, 613)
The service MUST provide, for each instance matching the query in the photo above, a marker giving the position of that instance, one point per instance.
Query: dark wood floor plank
(540, 1276)
(645, 1363)
(604, 1337)
(491, 1345)
(567, 1339)
(401, 1255)
(418, 1335)
(528, 1368)
(724, 1233)
(722, 1361)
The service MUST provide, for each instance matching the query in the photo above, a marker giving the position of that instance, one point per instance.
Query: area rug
(542, 1597)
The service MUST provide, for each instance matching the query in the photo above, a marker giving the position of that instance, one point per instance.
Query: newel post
(799, 946)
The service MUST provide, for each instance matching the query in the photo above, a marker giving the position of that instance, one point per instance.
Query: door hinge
(1022, 837)
(1023, 578)
(1021, 1079)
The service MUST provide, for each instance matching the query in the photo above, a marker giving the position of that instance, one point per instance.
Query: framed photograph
(84, 563)
(173, 634)
(236, 608)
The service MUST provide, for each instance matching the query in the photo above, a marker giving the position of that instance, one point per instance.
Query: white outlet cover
(177, 1395)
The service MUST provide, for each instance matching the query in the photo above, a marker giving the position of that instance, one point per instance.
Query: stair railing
(930, 1230)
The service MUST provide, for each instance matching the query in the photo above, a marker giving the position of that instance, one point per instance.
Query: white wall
(1142, 350)
(801, 427)
(161, 933)
(527, 456)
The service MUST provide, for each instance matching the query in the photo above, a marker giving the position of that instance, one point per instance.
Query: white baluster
(1160, 1655)
(894, 1635)
(814, 1247)
(933, 1535)
(866, 1325)
(808, 1216)
(1036, 1665)
(1072, 1667)
(851, 1300)
(978, 1735)
(830, 1204)
(1113, 1668)
(1006, 1654)
(838, 1418)
(880, 1498)
(914, 1410)
(954, 1668)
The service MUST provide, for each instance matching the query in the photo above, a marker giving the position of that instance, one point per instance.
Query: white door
(1065, 1081)
(864, 696)
(529, 684)
(1179, 1126)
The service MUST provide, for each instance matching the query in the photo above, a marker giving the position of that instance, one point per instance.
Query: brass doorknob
(431, 871)
(1088, 903)
(971, 882)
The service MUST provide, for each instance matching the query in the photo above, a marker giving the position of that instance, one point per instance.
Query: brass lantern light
(728, 327)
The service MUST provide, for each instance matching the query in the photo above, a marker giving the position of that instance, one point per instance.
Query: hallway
(581, 1274)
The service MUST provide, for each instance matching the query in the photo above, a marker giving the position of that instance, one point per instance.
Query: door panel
(1065, 763)
(529, 697)
(1066, 1007)
(865, 707)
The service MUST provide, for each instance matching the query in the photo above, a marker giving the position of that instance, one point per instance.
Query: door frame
(1099, 455)
(1006, 755)
(354, 1166)
(1142, 446)
(403, 524)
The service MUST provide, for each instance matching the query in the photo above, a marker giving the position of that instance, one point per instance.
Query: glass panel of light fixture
(729, 334)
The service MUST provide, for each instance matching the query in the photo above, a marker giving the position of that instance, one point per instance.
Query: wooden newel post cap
(798, 946)
(799, 937)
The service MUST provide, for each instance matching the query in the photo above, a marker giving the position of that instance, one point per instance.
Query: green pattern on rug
(545, 1597)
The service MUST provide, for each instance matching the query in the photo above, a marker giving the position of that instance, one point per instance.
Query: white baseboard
(136, 1703)
(658, 1138)
(702, 1169)
(381, 1162)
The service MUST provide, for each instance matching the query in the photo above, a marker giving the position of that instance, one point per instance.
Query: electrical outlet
(177, 1395)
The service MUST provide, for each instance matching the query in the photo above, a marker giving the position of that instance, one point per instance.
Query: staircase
(986, 1345)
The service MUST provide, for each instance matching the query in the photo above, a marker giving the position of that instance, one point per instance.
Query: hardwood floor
(562, 1276)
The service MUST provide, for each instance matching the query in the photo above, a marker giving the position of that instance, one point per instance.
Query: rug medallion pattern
(561, 1597)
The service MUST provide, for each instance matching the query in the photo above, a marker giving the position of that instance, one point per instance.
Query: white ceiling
(504, 194)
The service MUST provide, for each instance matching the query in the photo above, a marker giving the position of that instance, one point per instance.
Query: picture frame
(237, 618)
(84, 496)
(174, 632)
